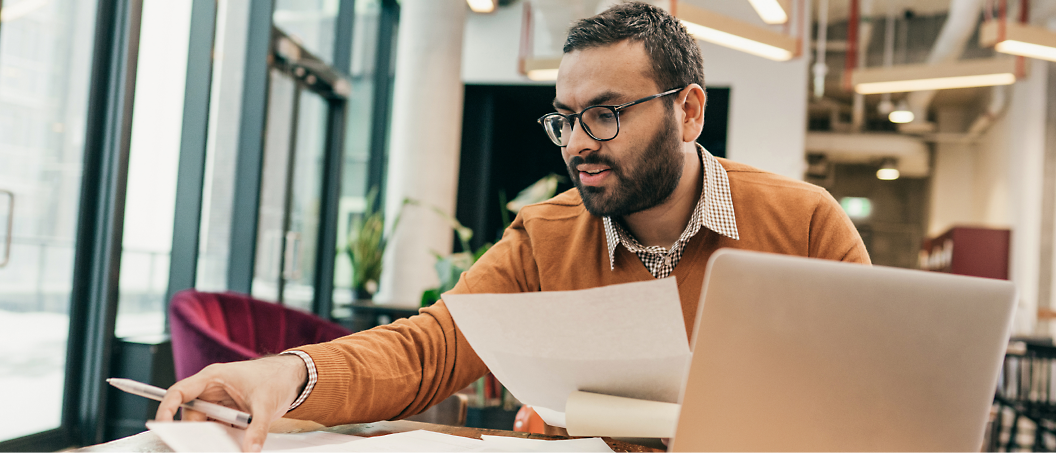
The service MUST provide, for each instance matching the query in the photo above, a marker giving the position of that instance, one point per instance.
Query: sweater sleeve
(832, 234)
(401, 369)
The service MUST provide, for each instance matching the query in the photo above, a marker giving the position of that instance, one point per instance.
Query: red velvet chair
(212, 328)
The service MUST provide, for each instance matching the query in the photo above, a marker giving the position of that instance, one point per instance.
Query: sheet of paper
(210, 436)
(196, 436)
(592, 414)
(624, 340)
(500, 443)
(414, 441)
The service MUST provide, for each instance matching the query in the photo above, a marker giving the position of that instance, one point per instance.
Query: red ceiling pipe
(852, 45)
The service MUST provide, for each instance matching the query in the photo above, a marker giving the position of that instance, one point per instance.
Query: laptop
(796, 354)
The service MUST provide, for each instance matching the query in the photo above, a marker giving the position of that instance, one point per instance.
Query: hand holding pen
(265, 388)
(211, 410)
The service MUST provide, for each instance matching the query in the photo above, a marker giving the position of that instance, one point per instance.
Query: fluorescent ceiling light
(541, 69)
(542, 74)
(771, 11)
(961, 74)
(888, 171)
(1019, 39)
(482, 6)
(900, 116)
(887, 174)
(726, 31)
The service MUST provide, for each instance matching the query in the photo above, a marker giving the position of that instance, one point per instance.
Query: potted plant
(450, 268)
(366, 244)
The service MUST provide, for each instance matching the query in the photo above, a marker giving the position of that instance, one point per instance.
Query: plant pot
(361, 294)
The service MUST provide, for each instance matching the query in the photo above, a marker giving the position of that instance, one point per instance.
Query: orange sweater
(401, 369)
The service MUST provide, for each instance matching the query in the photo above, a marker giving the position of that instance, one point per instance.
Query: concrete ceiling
(839, 9)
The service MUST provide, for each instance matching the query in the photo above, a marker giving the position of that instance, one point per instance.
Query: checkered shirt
(714, 211)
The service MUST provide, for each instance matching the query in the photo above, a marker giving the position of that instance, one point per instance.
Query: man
(648, 203)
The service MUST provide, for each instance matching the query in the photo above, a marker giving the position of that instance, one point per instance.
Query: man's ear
(693, 101)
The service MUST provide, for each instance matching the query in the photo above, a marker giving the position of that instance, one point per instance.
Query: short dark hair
(674, 54)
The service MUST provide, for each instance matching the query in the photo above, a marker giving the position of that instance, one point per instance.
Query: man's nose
(579, 141)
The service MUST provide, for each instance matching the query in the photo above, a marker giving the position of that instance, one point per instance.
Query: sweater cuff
(313, 377)
(330, 396)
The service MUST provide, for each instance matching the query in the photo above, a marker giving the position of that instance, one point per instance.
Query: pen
(214, 411)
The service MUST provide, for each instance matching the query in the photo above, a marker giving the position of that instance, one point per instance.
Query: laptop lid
(796, 354)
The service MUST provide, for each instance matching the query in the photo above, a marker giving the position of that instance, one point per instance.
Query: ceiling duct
(911, 153)
(960, 24)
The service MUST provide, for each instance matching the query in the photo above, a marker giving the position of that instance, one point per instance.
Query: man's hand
(264, 387)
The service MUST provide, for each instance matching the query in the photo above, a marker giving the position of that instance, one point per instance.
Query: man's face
(641, 167)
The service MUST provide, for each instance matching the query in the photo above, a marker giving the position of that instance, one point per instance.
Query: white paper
(591, 414)
(195, 436)
(211, 436)
(500, 443)
(624, 340)
(414, 441)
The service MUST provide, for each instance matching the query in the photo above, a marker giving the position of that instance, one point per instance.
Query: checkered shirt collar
(714, 211)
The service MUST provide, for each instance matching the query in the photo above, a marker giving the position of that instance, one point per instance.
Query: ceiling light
(888, 171)
(1018, 39)
(482, 6)
(541, 69)
(726, 31)
(771, 11)
(961, 74)
(902, 114)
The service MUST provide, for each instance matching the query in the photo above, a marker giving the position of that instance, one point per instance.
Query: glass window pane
(45, 63)
(154, 157)
(310, 23)
(305, 201)
(232, 23)
(267, 267)
(356, 160)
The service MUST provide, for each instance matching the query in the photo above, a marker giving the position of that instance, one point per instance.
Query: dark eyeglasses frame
(573, 118)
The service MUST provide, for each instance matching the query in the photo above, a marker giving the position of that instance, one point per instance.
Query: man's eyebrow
(600, 99)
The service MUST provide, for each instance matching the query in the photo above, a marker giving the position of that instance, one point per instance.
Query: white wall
(997, 182)
(767, 124)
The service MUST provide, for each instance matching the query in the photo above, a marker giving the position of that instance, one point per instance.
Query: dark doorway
(504, 150)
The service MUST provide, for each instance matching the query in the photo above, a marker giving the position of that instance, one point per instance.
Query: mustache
(592, 158)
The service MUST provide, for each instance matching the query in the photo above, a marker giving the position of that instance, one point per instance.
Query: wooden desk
(149, 442)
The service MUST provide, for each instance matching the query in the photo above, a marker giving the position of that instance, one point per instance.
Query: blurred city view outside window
(153, 160)
(45, 63)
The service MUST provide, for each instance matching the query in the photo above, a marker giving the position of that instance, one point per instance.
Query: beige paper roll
(593, 414)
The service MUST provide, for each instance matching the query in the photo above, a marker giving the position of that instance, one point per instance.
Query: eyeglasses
(601, 122)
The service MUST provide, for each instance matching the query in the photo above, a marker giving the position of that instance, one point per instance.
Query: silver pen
(212, 410)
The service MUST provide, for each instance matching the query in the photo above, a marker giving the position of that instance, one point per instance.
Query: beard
(647, 182)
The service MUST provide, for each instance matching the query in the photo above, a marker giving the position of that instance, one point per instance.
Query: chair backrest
(212, 328)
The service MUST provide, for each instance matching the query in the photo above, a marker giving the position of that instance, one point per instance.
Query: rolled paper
(593, 414)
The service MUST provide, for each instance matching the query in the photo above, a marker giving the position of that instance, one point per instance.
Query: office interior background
(149, 146)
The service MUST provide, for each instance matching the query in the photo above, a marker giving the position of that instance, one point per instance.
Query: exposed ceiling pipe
(886, 107)
(865, 35)
(959, 26)
(998, 105)
(820, 69)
